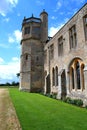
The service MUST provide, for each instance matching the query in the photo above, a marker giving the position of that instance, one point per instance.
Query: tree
(18, 75)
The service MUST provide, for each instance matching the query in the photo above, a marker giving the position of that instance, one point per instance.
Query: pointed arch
(73, 61)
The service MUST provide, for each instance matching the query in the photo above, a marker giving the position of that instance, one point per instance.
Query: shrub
(68, 100)
(77, 102)
(54, 95)
(48, 95)
(86, 106)
(51, 95)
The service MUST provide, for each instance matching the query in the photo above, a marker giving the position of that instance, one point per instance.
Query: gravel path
(8, 117)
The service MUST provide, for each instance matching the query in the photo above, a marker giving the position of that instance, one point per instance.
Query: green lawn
(37, 112)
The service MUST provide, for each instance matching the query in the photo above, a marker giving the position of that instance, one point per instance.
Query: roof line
(71, 18)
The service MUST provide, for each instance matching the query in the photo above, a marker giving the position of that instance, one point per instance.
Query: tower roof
(31, 19)
(43, 12)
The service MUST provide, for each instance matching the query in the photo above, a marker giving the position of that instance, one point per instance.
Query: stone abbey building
(58, 64)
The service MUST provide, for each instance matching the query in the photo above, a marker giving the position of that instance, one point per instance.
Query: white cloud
(1, 60)
(78, 1)
(58, 5)
(4, 45)
(61, 13)
(15, 59)
(15, 37)
(54, 30)
(40, 3)
(6, 6)
(6, 19)
(8, 71)
(11, 39)
(53, 17)
(13, 2)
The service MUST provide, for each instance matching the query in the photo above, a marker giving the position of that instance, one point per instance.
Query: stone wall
(64, 61)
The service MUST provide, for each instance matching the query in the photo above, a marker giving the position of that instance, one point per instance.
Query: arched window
(26, 56)
(56, 71)
(53, 77)
(72, 75)
(82, 76)
(78, 75)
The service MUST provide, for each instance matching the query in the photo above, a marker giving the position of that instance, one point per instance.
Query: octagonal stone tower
(34, 35)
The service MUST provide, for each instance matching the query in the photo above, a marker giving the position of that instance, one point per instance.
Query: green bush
(48, 95)
(86, 106)
(77, 102)
(51, 95)
(68, 100)
(54, 95)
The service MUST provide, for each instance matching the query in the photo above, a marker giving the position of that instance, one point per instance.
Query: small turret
(44, 26)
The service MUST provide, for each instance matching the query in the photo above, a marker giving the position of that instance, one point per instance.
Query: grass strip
(37, 112)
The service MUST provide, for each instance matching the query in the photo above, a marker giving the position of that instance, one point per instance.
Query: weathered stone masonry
(34, 34)
(58, 64)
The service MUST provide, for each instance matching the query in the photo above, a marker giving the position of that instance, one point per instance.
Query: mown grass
(37, 112)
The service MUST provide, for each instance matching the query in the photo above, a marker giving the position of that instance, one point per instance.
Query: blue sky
(12, 13)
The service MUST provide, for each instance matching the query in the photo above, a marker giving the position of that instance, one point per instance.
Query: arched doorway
(63, 84)
(48, 84)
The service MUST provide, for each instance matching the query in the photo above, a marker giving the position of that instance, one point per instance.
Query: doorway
(63, 85)
(48, 84)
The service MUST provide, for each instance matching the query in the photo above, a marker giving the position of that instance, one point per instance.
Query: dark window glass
(78, 75)
(27, 30)
(60, 46)
(85, 26)
(51, 51)
(72, 71)
(73, 37)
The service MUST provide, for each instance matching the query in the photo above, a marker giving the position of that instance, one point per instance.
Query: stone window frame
(36, 30)
(60, 46)
(26, 56)
(85, 26)
(45, 56)
(51, 50)
(55, 76)
(27, 30)
(72, 37)
(73, 80)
